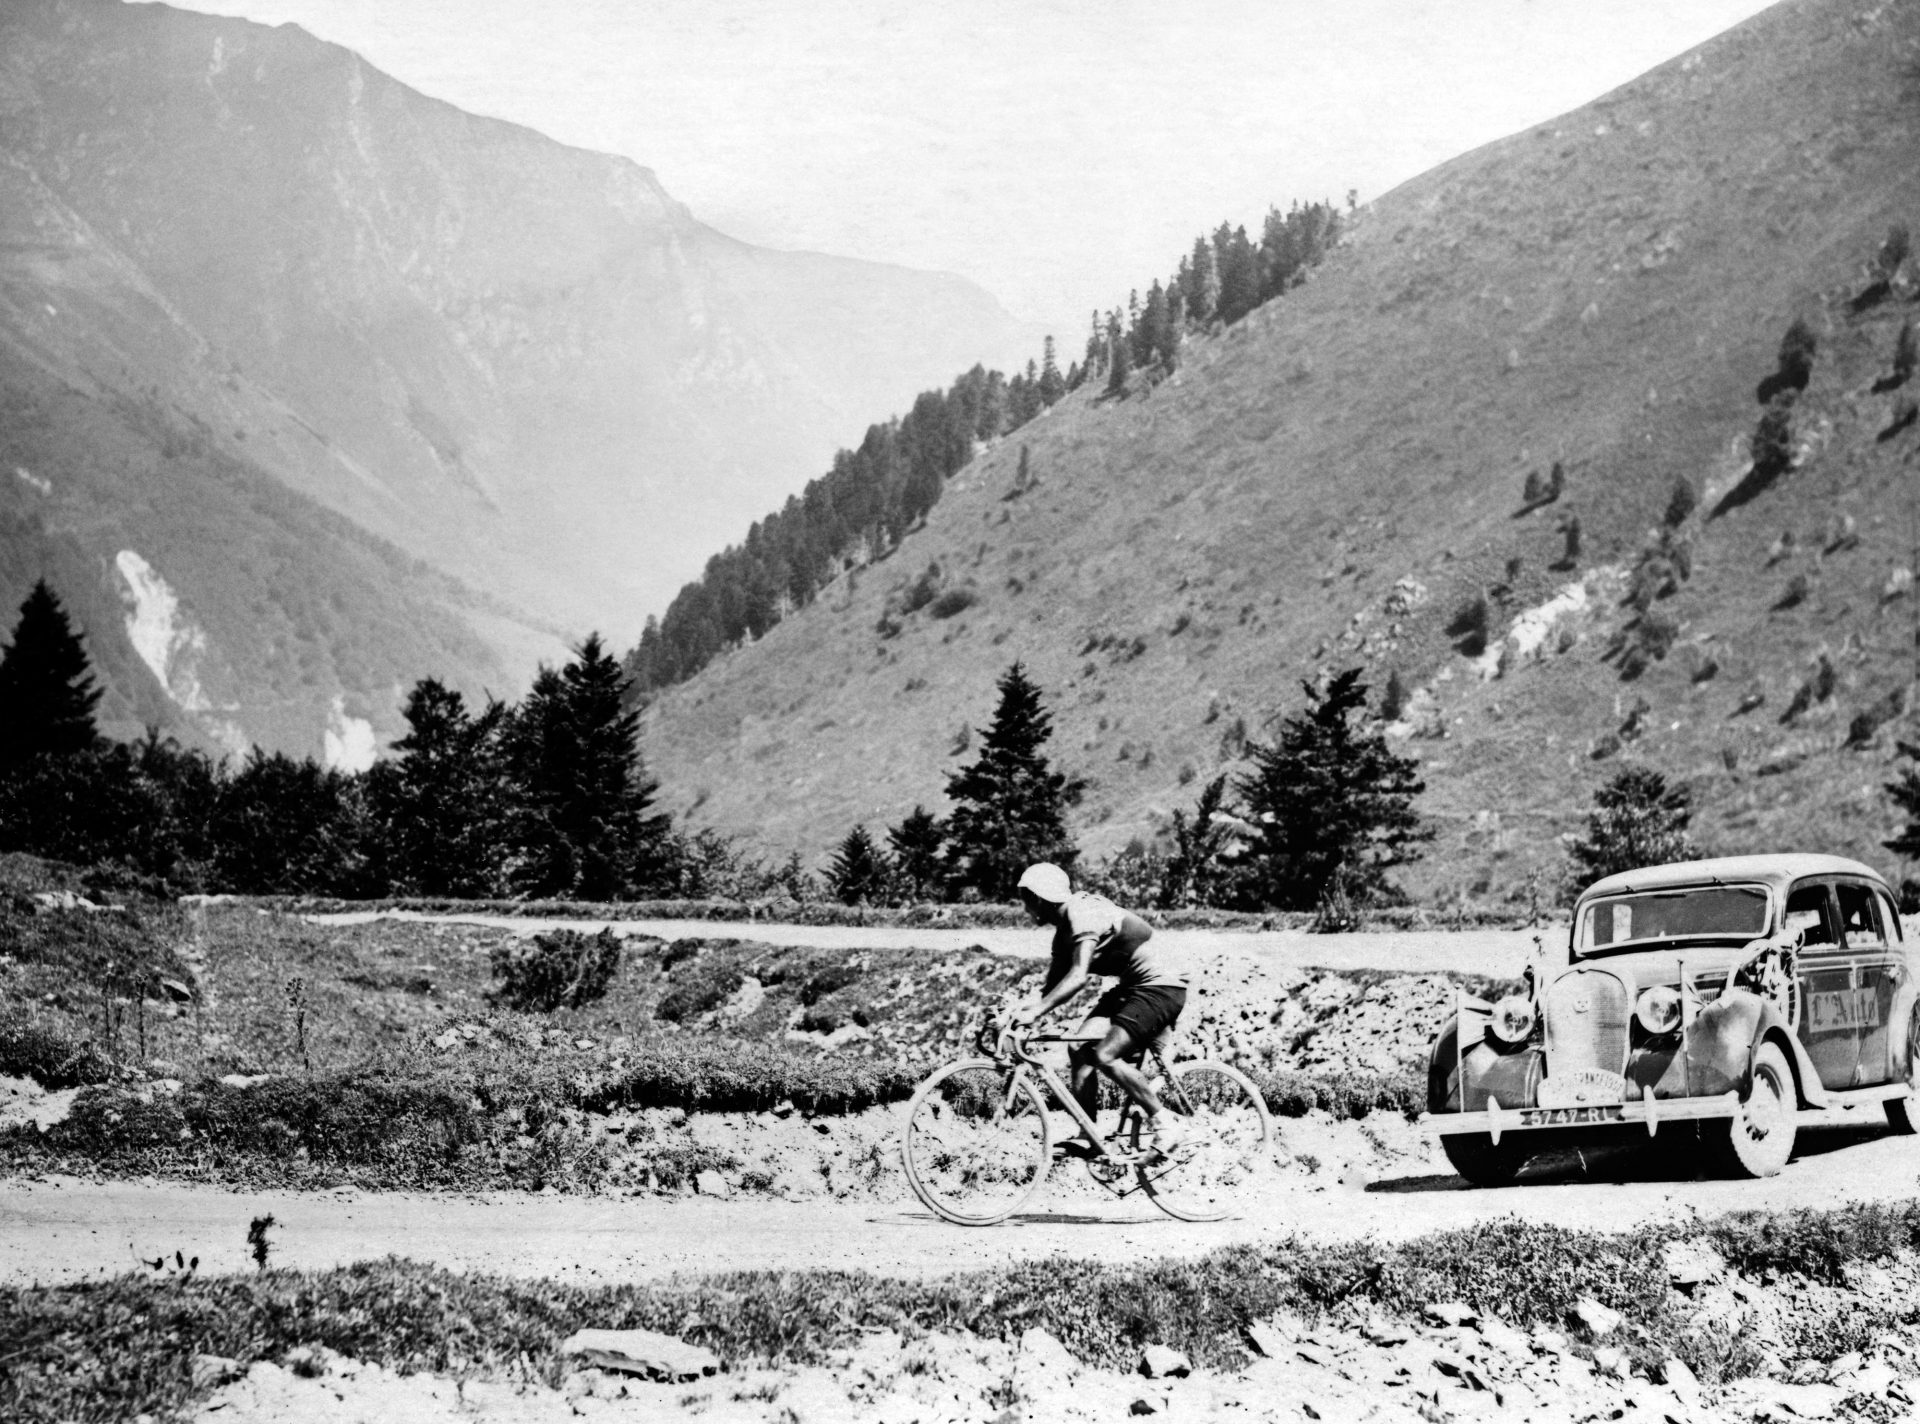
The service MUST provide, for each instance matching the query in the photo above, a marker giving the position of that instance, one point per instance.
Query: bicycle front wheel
(1229, 1134)
(976, 1143)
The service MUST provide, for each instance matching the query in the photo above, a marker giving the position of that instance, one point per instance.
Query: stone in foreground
(641, 1352)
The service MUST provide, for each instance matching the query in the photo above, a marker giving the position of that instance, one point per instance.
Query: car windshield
(1729, 911)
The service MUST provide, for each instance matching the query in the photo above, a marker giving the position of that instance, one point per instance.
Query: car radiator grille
(1586, 1014)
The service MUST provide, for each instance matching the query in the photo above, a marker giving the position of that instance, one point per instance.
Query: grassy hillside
(1328, 482)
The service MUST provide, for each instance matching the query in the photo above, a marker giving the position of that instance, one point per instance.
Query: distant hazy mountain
(249, 283)
(1339, 478)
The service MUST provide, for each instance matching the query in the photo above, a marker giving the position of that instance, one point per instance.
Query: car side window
(1889, 917)
(1810, 909)
(1859, 917)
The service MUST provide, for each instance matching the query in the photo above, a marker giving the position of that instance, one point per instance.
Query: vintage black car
(1724, 994)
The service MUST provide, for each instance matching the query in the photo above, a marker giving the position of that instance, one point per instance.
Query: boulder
(1692, 1263)
(1451, 1312)
(1681, 1380)
(212, 1371)
(711, 1184)
(1602, 1320)
(1162, 1362)
(641, 1352)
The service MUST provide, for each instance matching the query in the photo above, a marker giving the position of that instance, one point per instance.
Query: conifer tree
(47, 691)
(1052, 384)
(1334, 806)
(1119, 359)
(1009, 804)
(858, 873)
(1202, 289)
(1637, 820)
(1239, 275)
(440, 808)
(286, 827)
(918, 846)
(582, 820)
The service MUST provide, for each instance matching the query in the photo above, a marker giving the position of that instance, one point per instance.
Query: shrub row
(725, 1075)
(1345, 1095)
(118, 1348)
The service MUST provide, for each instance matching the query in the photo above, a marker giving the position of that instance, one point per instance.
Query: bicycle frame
(1019, 1051)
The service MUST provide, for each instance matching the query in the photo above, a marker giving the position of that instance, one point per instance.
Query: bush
(562, 969)
(51, 1058)
(954, 600)
(698, 989)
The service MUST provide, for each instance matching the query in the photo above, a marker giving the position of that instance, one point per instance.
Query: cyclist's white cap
(1046, 882)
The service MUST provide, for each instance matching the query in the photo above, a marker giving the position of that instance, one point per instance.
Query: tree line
(873, 495)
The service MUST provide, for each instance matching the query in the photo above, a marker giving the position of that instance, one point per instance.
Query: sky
(1059, 153)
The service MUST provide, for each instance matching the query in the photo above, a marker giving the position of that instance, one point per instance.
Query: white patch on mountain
(172, 646)
(350, 743)
(33, 481)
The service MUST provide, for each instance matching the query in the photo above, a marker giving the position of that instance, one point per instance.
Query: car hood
(1642, 969)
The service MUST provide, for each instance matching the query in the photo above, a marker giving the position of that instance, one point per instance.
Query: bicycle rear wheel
(1228, 1136)
(976, 1143)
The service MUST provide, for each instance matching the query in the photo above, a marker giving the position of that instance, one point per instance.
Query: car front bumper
(1647, 1112)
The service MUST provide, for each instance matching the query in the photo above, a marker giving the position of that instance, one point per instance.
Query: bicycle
(978, 1139)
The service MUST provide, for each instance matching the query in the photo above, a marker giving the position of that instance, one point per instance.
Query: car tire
(1759, 1137)
(1482, 1161)
(1903, 1114)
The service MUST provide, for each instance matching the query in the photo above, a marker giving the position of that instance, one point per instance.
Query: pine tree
(1119, 359)
(858, 873)
(1009, 804)
(918, 846)
(47, 691)
(1052, 384)
(1202, 289)
(582, 825)
(1239, 275)
(440, 807)
(1334, 806)
(1637, 820)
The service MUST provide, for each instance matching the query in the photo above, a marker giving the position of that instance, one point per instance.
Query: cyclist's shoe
(1077, 1149)
(1166, 1139)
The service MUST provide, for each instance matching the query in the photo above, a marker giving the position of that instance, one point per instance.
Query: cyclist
(1092, 935)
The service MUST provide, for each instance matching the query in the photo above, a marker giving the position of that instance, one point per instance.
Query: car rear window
(1733, 910)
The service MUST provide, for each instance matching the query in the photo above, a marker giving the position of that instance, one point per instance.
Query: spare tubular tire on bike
(1229, 1136)
(976, 1144)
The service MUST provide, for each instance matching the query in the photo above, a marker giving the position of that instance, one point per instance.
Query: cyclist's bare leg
(1111, 1056)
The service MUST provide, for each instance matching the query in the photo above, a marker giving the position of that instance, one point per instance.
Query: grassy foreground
(123, 1347)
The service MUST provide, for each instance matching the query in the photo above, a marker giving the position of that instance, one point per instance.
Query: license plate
(1571, 1117)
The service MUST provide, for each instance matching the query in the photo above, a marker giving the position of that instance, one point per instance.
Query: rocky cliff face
(523, 363)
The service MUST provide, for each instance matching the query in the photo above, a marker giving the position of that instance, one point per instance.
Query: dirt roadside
(65, 1229)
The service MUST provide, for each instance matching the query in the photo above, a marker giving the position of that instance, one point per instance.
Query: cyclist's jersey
(1121, 948)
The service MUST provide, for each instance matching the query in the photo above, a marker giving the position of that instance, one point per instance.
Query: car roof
(1777, 871)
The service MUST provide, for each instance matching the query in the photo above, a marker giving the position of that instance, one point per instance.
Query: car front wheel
(1759, 1136)
(1482, 1161)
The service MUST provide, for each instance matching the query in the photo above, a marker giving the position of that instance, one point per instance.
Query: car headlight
(1513, 1019)
(1659, 1009)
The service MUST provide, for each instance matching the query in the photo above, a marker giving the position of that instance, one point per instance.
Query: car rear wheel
(1759, 1136)
(1482, 1161)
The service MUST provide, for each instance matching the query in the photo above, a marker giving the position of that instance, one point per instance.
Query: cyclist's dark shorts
(1144, 1011)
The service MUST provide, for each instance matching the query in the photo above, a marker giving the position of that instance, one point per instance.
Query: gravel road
(63, 1229)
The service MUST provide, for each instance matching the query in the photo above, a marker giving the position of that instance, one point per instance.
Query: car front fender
(1723, 1037)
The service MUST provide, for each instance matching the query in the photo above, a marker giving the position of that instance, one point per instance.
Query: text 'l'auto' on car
(1726, 994)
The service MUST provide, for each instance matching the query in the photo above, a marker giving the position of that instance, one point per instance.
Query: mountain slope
(1329, 482)
(523, 363)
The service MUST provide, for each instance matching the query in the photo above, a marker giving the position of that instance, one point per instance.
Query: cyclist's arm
(1062, 982)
